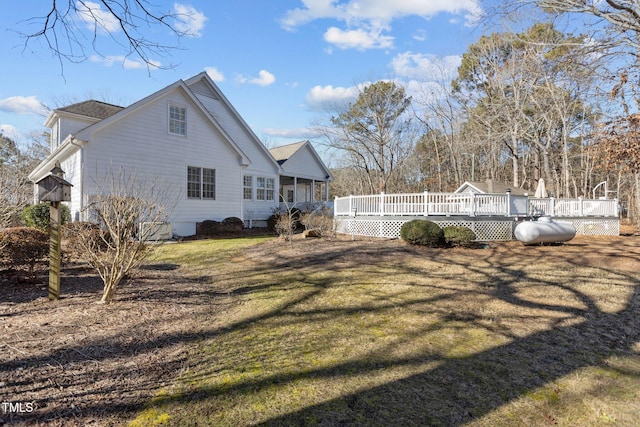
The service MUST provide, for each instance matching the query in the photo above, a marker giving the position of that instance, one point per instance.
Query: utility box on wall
(54, 188)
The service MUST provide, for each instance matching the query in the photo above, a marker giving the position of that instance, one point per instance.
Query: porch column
(313, 191)
(295, 190)
(326, 191)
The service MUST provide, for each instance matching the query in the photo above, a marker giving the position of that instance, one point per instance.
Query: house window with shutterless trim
(248, 187)
(265, 188)
(201, 183)
(177, 120)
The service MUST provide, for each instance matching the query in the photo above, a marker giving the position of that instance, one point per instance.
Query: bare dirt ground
(78, 363)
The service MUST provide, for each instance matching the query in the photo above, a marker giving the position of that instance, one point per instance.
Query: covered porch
(303, 192)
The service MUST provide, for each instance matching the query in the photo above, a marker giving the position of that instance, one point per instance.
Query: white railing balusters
(467, 204)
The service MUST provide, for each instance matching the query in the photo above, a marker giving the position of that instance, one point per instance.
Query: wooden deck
(490, 216)
(471, 205)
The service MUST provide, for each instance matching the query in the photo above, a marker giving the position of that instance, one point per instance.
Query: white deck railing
(469, 204)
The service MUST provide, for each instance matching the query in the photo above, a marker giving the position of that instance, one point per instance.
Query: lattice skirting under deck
(594, 226)
(485, 230)
(390, 228)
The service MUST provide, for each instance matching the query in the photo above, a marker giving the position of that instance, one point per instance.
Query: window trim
(246, 187)
(265, 188)
(204, 193)
(171, 119)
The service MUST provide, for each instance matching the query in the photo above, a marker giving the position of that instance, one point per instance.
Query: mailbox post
(54, 189)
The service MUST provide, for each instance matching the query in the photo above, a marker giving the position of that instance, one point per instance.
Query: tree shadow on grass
(459, 389)
(456, 391)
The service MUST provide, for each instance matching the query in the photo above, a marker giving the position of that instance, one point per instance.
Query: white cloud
(379, 11)
(360, 39)
(420, 35)
(215, 74)
(189, 20)
(23, 105)
(298, 133)
(366, 20)
(94, 17)
(127, 64)
(264, 78)
(321, 97)
(425, 66)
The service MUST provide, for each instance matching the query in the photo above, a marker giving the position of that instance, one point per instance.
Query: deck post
(425, 211)
(552, 207)
(472, 204)
(580, 206)
(508, 202)
(382, 203)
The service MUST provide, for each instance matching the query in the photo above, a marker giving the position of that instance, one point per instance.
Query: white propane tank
(544, 230)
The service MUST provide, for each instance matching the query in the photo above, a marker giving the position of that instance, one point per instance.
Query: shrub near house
(38, 216)
(422, 232)
(23, 247)
(459, 236)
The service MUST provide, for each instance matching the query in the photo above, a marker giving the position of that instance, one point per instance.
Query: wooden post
(55, 218)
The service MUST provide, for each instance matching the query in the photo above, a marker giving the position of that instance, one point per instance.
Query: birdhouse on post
(54, 189)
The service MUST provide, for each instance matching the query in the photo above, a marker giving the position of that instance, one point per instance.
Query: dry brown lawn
(334, 332)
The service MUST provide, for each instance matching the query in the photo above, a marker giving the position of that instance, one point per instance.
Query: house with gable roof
(190, 138)
(305, 178)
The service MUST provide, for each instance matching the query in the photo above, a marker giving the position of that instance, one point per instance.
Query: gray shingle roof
(496, 187)
(283, 153)
(96, 109)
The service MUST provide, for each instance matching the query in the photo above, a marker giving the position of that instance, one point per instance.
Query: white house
(190, 137)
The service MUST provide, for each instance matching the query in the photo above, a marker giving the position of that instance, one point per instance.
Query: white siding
(261, 163)
(141, 142)
(260, 209)
(72, 125)
(260, 159)
(304, 164)
(72, 168)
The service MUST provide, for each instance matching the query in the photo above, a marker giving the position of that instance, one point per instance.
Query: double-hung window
(177, 120)
(265, 188)
(247, 191)
(201, 183)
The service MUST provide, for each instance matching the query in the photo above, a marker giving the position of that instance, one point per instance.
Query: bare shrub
(23, 247)
(319, 220)
(118, 246)
(285, 225)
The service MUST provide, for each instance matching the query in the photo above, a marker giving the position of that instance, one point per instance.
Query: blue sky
(277, 61)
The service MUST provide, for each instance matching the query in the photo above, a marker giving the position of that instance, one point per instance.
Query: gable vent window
(177, 120)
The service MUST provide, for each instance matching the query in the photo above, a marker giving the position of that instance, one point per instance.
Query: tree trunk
(637, 182)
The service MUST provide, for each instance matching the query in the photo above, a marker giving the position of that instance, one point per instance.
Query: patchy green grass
(380, 333)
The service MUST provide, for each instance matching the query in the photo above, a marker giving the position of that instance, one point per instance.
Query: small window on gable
(177, 120)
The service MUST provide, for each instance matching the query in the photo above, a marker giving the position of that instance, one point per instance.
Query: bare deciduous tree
(62, 28)
(16, 191)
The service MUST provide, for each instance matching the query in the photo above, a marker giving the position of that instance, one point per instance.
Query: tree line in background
(539, 103)
(16, 162)
(535, 103)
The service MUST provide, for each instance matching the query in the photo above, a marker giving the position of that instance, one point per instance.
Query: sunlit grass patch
(379, 335)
